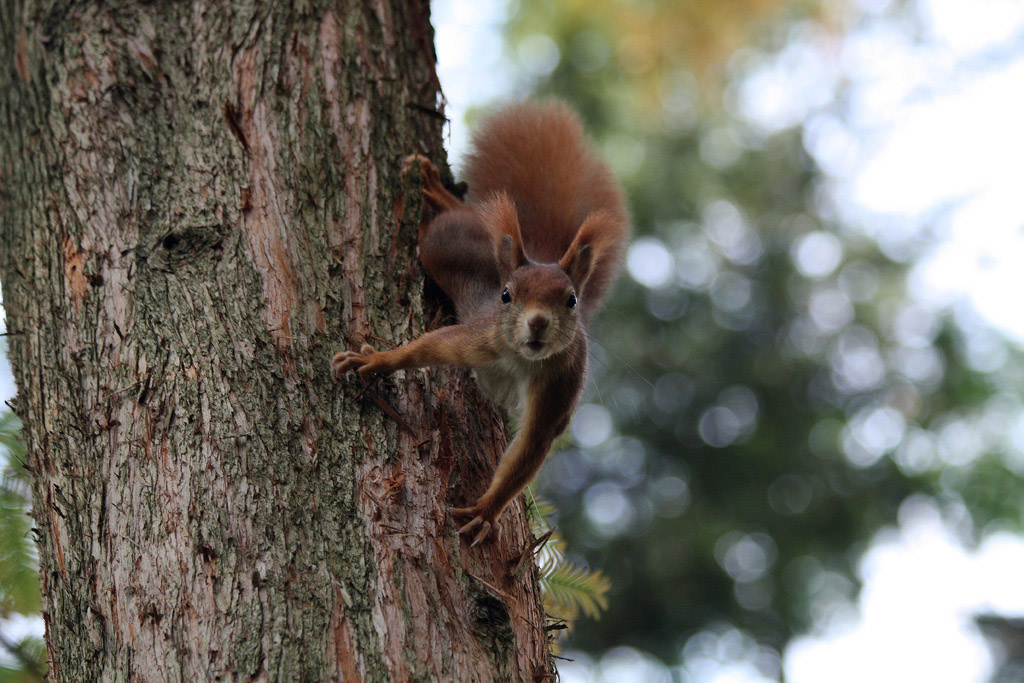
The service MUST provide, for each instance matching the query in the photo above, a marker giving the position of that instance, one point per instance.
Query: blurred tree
(766, 393)
(644, 44)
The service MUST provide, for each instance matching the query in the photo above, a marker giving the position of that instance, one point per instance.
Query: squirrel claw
(427, 167)
(478, 523)
(434, 190)
(362, 360)
(412, 160)
(485, 529)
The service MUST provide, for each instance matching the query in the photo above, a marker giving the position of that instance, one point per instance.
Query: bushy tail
(538, 154)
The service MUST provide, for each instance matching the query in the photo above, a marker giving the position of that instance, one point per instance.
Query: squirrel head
(539, 314)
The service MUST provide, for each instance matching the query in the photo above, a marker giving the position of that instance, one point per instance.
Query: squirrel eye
(506, 296)
(571, 303)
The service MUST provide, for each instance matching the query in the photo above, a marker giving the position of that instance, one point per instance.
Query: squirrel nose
(538, 322)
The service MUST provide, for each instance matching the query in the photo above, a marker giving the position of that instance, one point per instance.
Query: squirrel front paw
(482, 520)
(434, 191)
(427, 168)
(366, 361)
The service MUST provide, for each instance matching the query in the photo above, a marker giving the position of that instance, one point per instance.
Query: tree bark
(199, 203)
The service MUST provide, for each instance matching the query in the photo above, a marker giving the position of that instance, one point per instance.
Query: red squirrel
(526, 260)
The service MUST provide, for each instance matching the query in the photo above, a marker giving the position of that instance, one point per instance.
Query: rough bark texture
(199, 203)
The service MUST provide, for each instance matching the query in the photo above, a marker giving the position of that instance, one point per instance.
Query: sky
(927, 157)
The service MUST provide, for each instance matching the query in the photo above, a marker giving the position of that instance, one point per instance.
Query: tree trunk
(200, 203)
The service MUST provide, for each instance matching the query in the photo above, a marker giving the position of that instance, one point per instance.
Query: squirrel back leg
(455, 248)
(458, 254)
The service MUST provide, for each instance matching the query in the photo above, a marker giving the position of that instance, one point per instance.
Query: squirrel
(526, 260)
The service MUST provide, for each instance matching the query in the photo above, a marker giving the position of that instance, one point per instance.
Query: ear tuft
(578, 264)
(500, 218)
(508, 257)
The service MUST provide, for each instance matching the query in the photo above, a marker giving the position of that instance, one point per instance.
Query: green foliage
(29, 655)
(567, 588)
(19, 577)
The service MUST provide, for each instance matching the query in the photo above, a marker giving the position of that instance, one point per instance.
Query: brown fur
(538, 153)
(545, 222)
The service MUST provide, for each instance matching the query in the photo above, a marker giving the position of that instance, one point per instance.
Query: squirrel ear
(594, 248)
(501, 220)
(509, 256)
(577, 264)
